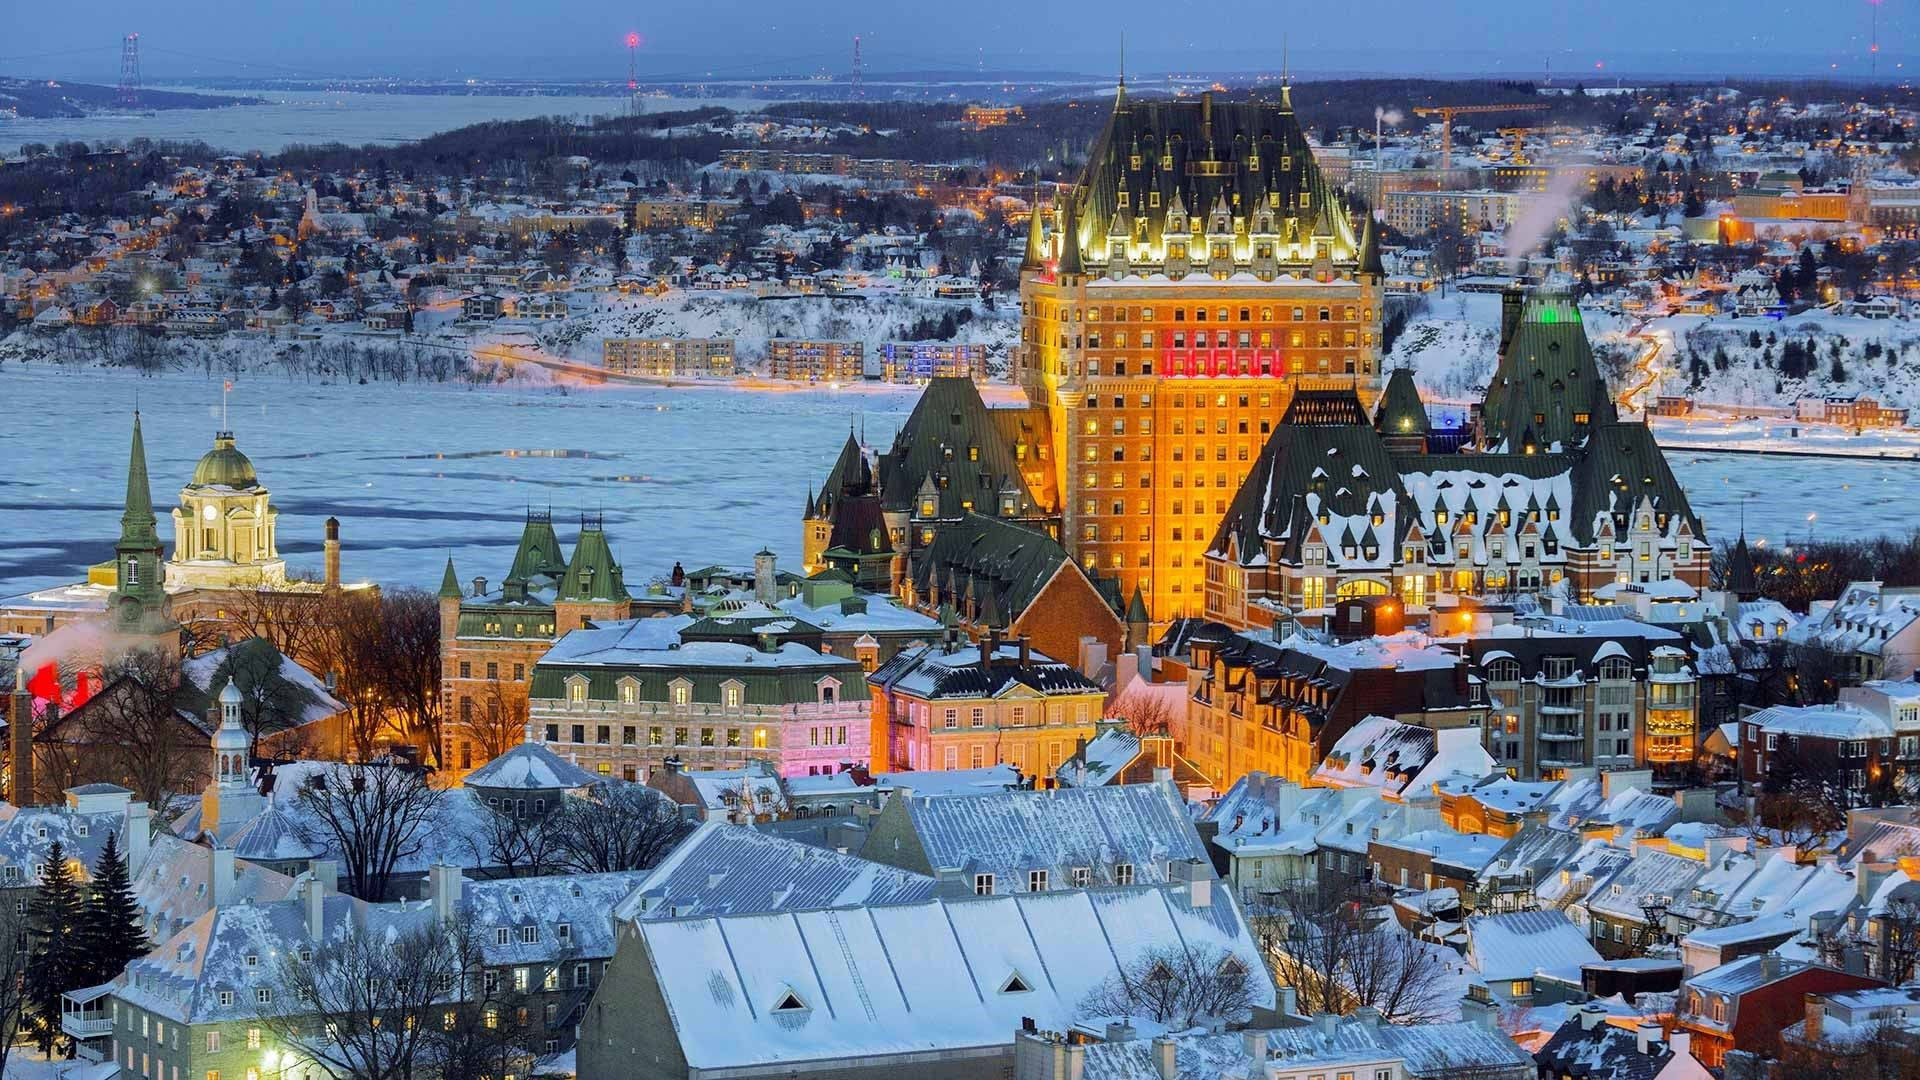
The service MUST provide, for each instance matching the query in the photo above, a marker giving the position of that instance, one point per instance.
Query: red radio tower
(857, 92)
(633, 62)
(130, 70)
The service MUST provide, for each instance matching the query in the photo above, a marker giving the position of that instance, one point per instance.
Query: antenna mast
(130, 71)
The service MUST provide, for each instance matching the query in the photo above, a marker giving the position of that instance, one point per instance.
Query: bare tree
(366, 1003)
(1146, 711)
(516, 844)
(1327, 940)
(408, 673)
(493, 1035)
(620, 826)
(498, 722)
(1179, 986)
(130, 733)
(372, 815)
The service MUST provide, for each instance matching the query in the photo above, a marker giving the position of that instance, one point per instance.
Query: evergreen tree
(53, 915)
(109, 936)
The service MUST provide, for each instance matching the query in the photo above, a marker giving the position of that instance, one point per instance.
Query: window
(983, 884)
(502, 935)
(213, 1037)
(1036, 881)
(1082, 876)
(564, 932)
(226, 997)
(529, 935)
(581, 975)
(263, 995)
(253, 1038)
(1123, 873)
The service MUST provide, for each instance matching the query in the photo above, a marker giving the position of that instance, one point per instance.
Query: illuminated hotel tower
(1200, 271)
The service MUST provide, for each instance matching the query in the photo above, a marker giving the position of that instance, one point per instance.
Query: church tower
(139, 611)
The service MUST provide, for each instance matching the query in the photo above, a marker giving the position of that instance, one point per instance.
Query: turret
(332, 554)
(449, 604)
(230, 799)
(141, 613)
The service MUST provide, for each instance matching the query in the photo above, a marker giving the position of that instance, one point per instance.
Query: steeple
(137, 521)
(139, 604)
(1741, 580)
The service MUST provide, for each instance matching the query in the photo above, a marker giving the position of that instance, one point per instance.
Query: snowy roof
(1519, 944)
(1101, 760)
(1011, 833)
(530, 767)
(760, 991)
(1469, 851)
(1401, 758)
(724, 869)
(1838, 721)
(582, 903)
(1647, 874)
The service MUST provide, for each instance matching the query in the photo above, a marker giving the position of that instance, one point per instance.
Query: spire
(1036, 256)
(449, 583)
(136, 521)
(1069, 239)
(1120, 97)
(1370, 249)
(1286, 78)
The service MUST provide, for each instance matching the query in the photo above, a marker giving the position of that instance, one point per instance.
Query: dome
(224, 466)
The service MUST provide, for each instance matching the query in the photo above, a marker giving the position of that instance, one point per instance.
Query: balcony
(1563, 733)
(79, 1028)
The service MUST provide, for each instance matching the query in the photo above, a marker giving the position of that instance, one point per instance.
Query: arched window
(1503, 670)
(1616, 667)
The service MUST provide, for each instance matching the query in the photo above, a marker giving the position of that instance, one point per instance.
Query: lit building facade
(1201, 270)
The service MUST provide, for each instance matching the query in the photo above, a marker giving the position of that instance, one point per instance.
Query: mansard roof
(1546, 382)
(952, 441)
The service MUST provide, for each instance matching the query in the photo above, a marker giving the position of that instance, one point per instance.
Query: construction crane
(1446, 113)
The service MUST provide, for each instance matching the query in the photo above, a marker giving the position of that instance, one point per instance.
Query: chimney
(1816, 1018)
(1199, 883)
(1120, 1032)
(989, 645)
(763, 579)
(1681, 1041)
(1163, 1057)
(315, 898)
(1592, 1016)
(20, 738)
(479, 586)
(443, 889)
(1646, 1036)
(225, 879)
(327, 873)
(1770, 966)
(1256, 1043)
(1026, 650)
(332, 549)
(1326, 1024)
(1287, 1001)
(139, 836)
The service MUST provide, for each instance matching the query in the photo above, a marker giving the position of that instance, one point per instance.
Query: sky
(747, 38)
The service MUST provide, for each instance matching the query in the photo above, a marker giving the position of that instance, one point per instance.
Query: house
(1118, 755)
(1589, 1045)
(725, 869)
(932, 988)
(1264, 833)
(1747, 1004)
(1402, 761)
(1042, 841)
(484, 305)
(998, 574)
(1514, 953)
(944, 706)
(752, 792)
(1848, 743)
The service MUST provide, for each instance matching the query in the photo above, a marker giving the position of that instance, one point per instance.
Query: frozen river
(289, 117)
(699, 475)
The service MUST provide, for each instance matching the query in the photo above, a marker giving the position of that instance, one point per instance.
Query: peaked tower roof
(1547, 390)
(449, 584)
(951, 447)
(136, 520)
(1401, 412)
(593, 576)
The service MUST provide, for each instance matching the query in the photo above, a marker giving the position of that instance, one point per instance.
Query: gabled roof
(767, 992)
(1007, 564)
(1521, 944)
(1010, 834)
(724, 869)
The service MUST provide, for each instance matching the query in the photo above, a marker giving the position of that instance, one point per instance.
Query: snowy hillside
(1451, 348)
(753, 321)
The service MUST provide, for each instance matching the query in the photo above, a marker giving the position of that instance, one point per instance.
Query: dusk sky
(757, 37)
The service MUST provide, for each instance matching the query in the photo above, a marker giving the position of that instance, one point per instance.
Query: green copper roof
(592, 576)
(1401, 411)
(539, 552)
(1370, 249)
(952, 443)
(449, 584)
(1036, 253)
(136, 521)
(1547, 389)
(224, 466)
(1197, 153)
